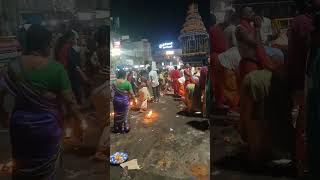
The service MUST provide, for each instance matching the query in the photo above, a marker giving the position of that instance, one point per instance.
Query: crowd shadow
(199, 125)
(239, 163)
(186, 114)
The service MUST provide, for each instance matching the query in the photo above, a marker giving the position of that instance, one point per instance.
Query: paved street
(171, 146)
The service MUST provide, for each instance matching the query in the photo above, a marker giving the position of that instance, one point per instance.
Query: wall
(8, 17)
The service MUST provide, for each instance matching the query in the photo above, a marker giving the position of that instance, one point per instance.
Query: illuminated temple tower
(194, 38)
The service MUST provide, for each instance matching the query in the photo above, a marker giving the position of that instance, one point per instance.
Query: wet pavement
(168, 146)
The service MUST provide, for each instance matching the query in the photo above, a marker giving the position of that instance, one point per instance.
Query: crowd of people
(134, 88)
(264, 74)
(50, 85)
(139, 87)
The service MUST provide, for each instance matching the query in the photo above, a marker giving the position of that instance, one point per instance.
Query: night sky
(157, 20)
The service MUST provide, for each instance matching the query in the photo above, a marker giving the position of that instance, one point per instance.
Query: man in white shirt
(266, 29)
(230, 30)
(154, 79)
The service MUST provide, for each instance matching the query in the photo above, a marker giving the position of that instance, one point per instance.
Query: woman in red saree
(253, 54)
(217, 46)
(175, 75)
(188, 89)
(254, 82)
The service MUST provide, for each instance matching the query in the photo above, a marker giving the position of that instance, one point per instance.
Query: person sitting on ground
(144, 96)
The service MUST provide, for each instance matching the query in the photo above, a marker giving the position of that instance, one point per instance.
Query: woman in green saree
(38, 83)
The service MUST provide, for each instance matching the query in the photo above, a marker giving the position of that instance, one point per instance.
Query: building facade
(137, 52)
(129, 53)
(169, 57)
(142, 51)
(16, 12)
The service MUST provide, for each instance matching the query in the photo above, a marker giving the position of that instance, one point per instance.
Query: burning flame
(111, 114)
(149, 114)
(150, 117)
(131, 103)
(136, 101)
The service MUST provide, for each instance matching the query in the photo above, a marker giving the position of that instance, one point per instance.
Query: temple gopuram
(194, 38)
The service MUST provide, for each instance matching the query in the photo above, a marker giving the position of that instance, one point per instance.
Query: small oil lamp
(149, 114)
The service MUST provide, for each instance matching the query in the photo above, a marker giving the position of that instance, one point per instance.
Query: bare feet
(100, 156)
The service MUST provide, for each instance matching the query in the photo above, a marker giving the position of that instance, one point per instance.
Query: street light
(116, 52)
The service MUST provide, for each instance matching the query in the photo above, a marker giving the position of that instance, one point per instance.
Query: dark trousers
(156, 92)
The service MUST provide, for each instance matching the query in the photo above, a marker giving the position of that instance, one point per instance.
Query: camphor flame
(131, 103)
(150, 117)
(111, 114)
(149, 114)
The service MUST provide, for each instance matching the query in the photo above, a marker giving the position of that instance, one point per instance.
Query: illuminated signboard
(166, 45)
(169, 52)
(117, 44)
